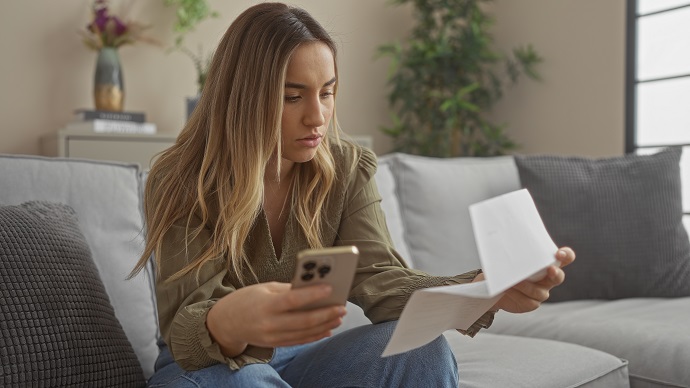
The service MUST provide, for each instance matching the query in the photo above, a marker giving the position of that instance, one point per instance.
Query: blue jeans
(349, 359)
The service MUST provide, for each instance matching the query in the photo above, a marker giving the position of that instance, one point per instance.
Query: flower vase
(108, 93)
(191, 104)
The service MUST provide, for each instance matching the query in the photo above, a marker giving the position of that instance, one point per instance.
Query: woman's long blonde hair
(216, 167)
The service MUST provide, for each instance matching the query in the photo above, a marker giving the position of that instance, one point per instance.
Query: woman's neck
(286, 169)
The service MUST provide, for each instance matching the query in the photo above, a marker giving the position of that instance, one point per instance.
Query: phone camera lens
(309, 265)
(307, 276)
(323, 270)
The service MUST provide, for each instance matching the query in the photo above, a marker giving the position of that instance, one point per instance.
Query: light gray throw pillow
(435, 195)
(623, 218)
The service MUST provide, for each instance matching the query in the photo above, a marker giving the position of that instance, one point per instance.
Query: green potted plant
(446, 78)
(189, 13)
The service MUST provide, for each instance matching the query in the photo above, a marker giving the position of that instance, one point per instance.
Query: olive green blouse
(353, 216)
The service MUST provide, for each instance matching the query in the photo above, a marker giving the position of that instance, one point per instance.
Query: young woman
(257, 175)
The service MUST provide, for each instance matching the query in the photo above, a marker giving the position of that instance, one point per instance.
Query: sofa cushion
(390, 205)
(623, 218)
(57, 326)
(105, 197)
(651, 333)
(434, 197)
(489, 360)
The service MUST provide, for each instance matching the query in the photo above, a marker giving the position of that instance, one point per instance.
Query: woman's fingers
(294, 299)
(529, 295)
(555, 276)
(272, 316)
(300, 335)
(532, 291)
(565, 256)
(307, 335)
(298, 320)
(517, 302)
(289, 325)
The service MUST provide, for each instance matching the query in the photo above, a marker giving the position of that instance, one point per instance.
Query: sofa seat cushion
(105, 197)
(57, 326)
(506, 361)
(653, 334)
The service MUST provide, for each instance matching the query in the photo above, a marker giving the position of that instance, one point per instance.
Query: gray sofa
(635, 342)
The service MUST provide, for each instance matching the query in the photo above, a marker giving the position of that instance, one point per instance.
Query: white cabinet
(132, 148)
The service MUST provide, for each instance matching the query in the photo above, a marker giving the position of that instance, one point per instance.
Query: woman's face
(309, 101)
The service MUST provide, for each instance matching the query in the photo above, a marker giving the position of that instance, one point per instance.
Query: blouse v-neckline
(286, 231)
(286, 226)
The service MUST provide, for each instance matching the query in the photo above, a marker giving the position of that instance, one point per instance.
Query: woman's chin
(302, 156)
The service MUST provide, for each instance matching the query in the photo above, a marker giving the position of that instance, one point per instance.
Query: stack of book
(111, 122)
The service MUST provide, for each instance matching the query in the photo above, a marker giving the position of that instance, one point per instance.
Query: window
(658, 80)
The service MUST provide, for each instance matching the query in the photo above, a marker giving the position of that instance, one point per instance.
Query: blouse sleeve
(184, 303)
(383, 282)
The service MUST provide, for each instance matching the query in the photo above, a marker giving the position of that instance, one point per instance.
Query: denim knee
(353, 359)
(170, 374)
(433, 364)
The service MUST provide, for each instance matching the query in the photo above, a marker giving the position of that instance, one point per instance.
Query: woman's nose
(313, 114)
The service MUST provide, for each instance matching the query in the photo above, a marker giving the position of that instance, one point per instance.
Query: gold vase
(108, 92)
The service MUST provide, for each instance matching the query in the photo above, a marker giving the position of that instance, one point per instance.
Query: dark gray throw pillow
(623, 218)
(57, 326)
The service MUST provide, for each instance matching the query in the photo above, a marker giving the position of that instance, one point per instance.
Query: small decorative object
(446, 78)
(105, 34)
(191, 104)
(109, 90)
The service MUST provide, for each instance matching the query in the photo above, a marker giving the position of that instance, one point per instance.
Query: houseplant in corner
(189, 13)
(446, 77)
(105, 34)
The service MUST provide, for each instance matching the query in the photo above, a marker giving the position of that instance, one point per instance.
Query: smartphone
(335, 266)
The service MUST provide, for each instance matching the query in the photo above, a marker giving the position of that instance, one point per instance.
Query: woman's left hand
(529, 295)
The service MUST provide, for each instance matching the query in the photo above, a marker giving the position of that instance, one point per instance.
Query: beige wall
(46, 72)
(578, 108)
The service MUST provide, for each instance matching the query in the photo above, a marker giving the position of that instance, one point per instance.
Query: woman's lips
(311, 141)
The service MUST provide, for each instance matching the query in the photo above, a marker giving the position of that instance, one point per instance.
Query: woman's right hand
(267, 315)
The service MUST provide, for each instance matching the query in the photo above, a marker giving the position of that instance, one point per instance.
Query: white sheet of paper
(513, 245)
(511, 238)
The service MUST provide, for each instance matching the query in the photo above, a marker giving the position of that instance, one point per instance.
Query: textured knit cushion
(57, 326)
(623, 218)
(106, 197)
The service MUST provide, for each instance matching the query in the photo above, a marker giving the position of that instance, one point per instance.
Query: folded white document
(513, 246)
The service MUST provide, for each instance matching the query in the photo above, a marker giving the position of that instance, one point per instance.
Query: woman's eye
(292, 98)
(326, 94)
